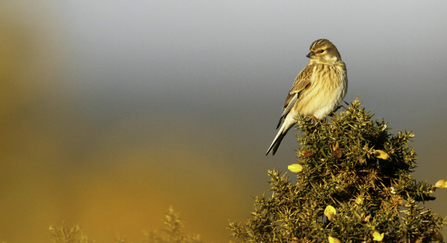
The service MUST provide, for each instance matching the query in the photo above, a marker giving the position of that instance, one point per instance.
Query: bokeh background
(113, 111)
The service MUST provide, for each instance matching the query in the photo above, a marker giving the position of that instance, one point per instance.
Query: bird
(317, 91)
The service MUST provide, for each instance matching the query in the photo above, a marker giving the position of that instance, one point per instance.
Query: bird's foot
(315, 120)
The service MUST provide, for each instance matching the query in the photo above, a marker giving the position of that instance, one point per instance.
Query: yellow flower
(377, 236)
(437, 236)
(441, 184)
(380, 154)
(295, 168)
(333, 240)
(336, 151)
(306, 153)
(330, 212)
(366, 219)
(359, 200)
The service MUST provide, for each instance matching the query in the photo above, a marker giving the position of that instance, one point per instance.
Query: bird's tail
(285, 127)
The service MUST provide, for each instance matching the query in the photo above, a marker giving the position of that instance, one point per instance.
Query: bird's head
(322, 51)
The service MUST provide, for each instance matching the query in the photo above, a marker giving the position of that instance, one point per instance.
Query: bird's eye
(321, 51)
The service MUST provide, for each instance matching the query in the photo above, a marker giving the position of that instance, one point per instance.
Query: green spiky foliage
(64, 234)
(354, 165)
(173, 232)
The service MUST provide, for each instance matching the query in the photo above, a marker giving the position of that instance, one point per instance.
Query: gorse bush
(354, 184)
(172, 233)
(64, 234)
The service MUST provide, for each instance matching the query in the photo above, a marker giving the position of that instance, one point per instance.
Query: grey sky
(200, 57)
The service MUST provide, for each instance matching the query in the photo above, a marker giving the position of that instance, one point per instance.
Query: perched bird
(317, 91)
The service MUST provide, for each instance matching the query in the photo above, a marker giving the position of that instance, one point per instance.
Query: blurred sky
(115, 110)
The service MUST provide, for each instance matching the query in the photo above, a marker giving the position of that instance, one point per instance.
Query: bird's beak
(311, 54)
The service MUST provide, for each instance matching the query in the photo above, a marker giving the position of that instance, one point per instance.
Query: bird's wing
(301, 82)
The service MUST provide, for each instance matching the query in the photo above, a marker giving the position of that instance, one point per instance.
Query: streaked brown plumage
(317, 91)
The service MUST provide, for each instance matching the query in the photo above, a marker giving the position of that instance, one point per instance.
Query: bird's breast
(325, 92)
